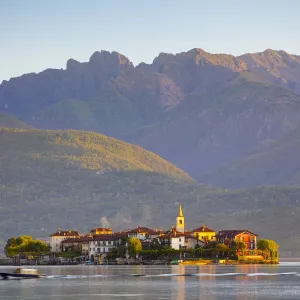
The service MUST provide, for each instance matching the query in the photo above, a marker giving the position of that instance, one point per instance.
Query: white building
(57, 237)
(100, 245)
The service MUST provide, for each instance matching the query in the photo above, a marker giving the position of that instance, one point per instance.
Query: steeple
(180, 220)
(179, 213)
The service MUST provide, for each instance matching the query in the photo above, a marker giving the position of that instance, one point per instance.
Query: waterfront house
(57, 237)
(228, 237)
(101, 245)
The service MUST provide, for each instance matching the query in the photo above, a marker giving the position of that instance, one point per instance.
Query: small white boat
(23, 273)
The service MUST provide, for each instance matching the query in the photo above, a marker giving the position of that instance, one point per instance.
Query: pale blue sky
(39, 34)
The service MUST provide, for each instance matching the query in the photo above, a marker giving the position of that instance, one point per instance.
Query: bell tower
(180, 220)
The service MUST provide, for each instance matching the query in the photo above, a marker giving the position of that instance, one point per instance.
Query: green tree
(25, 246)
(221, 249)
(269, 248)
(134, 246)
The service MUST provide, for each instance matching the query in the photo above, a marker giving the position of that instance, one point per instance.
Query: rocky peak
(112, 63)
(72, 63)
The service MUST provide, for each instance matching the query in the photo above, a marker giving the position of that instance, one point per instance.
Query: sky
(40, 34)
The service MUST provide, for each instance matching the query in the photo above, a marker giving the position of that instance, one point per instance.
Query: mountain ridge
(192, 108)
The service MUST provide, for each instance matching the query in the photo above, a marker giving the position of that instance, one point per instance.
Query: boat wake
(174, 275)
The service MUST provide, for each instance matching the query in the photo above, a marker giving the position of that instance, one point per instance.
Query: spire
(179, 214)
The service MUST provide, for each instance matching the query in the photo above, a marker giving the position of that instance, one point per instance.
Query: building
(101, 231)
(228, 237)
(177, 237)
(57, 237)
(204, 233)
(79, 244)
(143, 233)
(178, 240)
(174, 239)
(101, 245)
(140, 233)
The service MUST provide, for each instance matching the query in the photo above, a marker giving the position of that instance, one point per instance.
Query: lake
(209, 282)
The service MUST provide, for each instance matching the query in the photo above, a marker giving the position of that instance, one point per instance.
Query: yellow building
(100, 231)
(204, 233)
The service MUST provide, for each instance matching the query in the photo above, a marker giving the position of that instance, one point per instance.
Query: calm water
(161, 282)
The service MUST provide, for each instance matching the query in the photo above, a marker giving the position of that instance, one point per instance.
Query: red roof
(203, 228)
(105, 237)
(173, 234)
(140, 230)
(102, 237)
(79, 239)
(233, 233)
(65, 233)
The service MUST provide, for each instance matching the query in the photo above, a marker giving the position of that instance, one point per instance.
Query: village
(102, 245)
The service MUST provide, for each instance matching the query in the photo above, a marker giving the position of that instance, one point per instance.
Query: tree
(25, 246)
(134, 246)
(221, 248)
(269, 248)
(239, 246)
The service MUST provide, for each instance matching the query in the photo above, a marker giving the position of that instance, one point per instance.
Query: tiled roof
(101, 229)
(102, 237)
(122, 234)
(76, 240)
(140, 230)
(105, 237)
(233, 233)
(203, 228)
(65, 233)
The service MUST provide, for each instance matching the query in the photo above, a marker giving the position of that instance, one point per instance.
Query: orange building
(228, 237)
(101, 231)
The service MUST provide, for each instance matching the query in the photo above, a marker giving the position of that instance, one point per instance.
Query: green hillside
(63, 150)
(12, 122)
(73, 179)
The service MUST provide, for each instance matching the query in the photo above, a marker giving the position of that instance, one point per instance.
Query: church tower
(180, 220)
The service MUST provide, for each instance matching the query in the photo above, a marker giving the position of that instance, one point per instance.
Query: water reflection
(109, 282)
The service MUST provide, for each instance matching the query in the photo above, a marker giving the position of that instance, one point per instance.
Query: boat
(23, 273)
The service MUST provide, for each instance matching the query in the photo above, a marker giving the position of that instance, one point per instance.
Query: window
(98, 250)
(179, 239)
(109, 243)
(93, 249)
(212, 237)
(104, 250)
(180, 222)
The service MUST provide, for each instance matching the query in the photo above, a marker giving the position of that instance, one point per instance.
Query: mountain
(276, 67)
(195, 109)
(77, 179)
(274, 164)
(12, 122)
